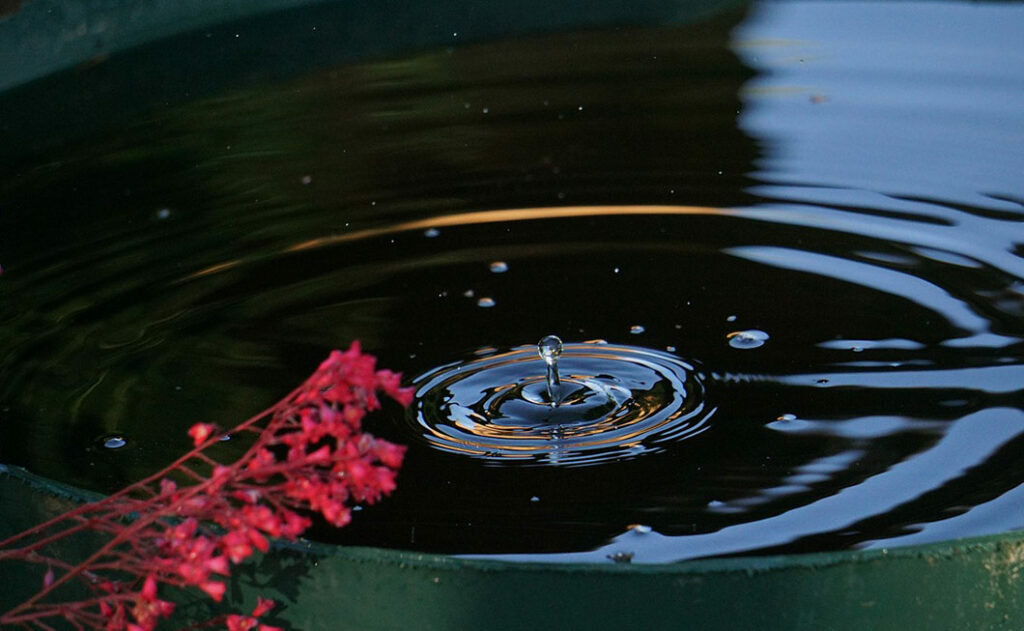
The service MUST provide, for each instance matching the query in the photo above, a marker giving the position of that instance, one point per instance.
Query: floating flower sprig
(187, 524)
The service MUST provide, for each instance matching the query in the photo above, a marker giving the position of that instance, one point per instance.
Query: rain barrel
(971, 583)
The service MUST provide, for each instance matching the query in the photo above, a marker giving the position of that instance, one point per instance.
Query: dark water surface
(811, 211)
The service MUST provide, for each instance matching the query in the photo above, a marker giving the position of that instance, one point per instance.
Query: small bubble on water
(114, 442)
(637, 329)
(498, 267)
(485, 302)
(615, 271)
(621, 557)
(534, 499)
(307, 180)
(486, 110)
(430, 233)
(751, 338)
(163, 213)
(731, 318)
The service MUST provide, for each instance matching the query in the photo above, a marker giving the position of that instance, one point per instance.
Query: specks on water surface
(751, 338)
(113, 441)
(621, 557)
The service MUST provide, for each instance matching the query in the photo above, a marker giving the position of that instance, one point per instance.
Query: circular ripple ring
(615, 402)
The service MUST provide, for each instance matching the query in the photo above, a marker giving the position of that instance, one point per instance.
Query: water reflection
(661, 186)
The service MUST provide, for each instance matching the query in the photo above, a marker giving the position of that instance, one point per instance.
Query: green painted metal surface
(967, 584)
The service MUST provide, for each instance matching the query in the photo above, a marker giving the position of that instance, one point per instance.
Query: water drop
(751, 338)
(636, 329)
(549, 348)
(731, 318)
(430, 233)
(485, 302)
(786, 417)
(670, 349)
(534, 499)
(163, 213)
(468, 293)
(640, 529)
(113, 442)
(498, 267)
(307, 180)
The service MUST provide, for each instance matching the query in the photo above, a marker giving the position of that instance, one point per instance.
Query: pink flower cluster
(186, 525)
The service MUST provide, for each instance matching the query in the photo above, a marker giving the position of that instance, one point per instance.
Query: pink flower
(200, 432)
(191, 521)
(214, 589)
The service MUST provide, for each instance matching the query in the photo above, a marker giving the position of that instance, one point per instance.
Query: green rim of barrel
(970, 583)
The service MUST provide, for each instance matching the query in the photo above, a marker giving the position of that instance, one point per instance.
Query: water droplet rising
(670, 349)
(114, 442)
(468, 293)
(751, 338)
(225, 438)
(549, 348)
(731, 318)
(163, 213)
(534, 499)
(499, 267)
(430, 233)
(786, 417)
(636, 329)
(485, 302)
(640, 529)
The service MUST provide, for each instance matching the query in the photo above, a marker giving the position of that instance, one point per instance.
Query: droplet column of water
(549, 348)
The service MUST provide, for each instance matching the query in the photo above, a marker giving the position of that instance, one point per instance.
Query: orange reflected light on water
(483, 217)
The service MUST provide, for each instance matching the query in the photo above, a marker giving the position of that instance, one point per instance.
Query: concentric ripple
(615, 402)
